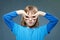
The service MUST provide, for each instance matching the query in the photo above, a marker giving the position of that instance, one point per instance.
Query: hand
(21, 12)
(40, 13)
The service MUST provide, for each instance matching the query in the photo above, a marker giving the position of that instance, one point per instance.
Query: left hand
(40, 13)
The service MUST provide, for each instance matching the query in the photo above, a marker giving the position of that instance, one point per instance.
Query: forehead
(30, 13)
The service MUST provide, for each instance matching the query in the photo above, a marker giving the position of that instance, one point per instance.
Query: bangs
(33, 9)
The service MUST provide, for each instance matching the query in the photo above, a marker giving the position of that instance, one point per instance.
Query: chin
(30, 26)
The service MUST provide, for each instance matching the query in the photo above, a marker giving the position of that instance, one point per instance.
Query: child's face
(30, 19)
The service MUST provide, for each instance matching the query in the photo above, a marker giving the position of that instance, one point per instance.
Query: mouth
(30, 22)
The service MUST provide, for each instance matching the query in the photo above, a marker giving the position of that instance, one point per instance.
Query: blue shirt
(26, 33)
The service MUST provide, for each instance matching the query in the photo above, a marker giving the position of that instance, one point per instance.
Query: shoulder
(43, 28)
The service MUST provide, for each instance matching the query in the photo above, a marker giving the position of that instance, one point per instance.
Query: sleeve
(8, 19)
(52, 22)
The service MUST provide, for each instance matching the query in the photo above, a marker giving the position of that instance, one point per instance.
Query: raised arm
(8, 18)
(52, 20)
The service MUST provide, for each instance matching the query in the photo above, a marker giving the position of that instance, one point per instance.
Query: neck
(30, 26)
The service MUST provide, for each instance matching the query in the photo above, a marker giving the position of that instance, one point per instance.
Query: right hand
(21, 12)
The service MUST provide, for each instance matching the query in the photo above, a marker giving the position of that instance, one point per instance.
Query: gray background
(51, 6)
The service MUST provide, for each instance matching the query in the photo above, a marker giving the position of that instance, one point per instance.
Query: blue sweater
(25, 33)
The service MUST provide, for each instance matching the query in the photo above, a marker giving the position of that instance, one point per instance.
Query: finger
(25, 14)
(37, 14)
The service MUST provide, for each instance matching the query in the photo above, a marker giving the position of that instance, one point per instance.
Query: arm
(52, 20)
(8, 18)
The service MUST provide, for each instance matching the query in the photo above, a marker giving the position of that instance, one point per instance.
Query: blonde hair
(27, 9)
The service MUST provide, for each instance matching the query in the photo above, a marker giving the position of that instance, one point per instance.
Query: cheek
(34, 20)
(26, 20)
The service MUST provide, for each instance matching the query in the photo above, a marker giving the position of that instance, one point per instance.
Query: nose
(30, 19)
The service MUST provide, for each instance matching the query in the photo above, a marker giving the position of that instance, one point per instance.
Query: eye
(26, 16)
(33, 16)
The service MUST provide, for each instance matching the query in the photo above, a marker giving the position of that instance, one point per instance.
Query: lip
(30, 22)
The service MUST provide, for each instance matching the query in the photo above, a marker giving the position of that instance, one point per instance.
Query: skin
(30, 18)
